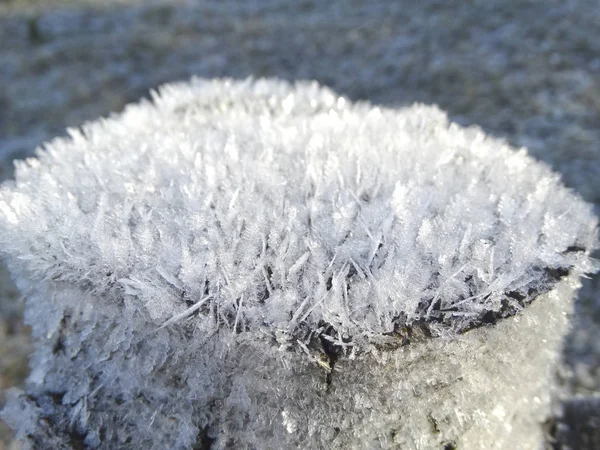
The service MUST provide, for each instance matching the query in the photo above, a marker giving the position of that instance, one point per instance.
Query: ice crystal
(154, 243)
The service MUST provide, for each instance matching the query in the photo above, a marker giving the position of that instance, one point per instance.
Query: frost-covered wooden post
(259, 265)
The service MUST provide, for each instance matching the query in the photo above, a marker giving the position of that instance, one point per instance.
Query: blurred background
(527, 71)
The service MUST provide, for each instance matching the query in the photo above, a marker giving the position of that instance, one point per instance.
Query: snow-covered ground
(527, 71)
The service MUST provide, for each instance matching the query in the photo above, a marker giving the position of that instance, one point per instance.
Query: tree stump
(254, 264)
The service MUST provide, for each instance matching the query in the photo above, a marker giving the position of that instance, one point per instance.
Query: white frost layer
(489, 388)
(283, 205)
(196, 265)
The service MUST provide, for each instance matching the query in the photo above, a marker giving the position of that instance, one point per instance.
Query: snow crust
(154, 242)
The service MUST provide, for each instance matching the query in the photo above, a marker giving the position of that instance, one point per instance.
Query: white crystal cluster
(166, 250)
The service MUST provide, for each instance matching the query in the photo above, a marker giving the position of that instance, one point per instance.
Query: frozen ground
(527, 71)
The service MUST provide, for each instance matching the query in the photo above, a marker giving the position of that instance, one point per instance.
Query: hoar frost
(165, 249)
